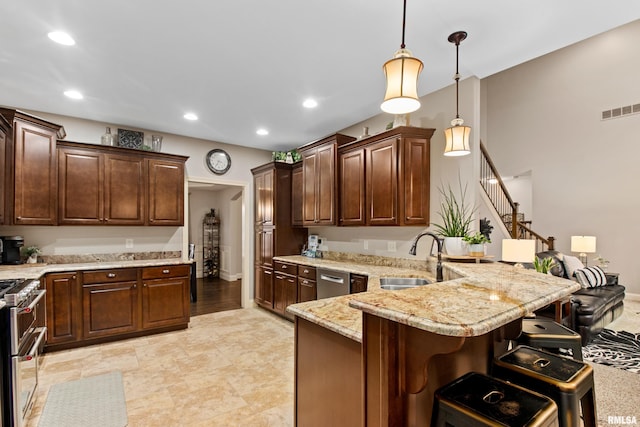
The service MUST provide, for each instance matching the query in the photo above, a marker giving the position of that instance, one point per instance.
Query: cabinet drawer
(108, 276)
(284, 267)
(165, 271)
(307, 272)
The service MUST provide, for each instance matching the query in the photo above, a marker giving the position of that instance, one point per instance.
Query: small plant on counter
(543, 265)
(31, 250)
(476, 239)
(455, 213)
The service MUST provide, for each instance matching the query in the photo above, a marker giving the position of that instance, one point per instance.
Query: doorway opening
(218, 250)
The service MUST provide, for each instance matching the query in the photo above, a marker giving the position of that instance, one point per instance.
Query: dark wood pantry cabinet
(5, 128)
(274, 233)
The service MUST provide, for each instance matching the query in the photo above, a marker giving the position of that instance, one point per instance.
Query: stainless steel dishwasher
(331, 283)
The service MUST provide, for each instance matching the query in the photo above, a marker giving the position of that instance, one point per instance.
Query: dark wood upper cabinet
(31, 190)
(352, 188)
(166, 192)
(320, 180)
(99, 185)
(296, 195)
(4, 175)
(384, 179)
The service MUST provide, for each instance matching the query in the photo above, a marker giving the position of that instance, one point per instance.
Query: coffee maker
(10, 248)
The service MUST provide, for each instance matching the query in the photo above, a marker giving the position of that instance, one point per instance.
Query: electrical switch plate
(128, 243)
(391, 246)
(366, 244)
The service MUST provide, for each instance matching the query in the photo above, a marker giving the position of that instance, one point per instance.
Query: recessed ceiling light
(73, 94)
(190, 116)
(62, 38)
(310, 103)
(262, 132)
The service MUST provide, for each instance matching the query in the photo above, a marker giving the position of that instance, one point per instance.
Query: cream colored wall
(544, 116)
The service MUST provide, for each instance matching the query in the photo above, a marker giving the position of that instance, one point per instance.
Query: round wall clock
(218, 161)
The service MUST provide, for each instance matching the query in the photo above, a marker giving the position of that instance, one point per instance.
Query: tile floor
(227, 369)
(233, 368)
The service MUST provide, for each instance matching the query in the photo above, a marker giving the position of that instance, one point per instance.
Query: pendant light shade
(402, 83)
(402, 74)
(457, 136)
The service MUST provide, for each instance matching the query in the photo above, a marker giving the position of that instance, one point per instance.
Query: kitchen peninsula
(376, 358)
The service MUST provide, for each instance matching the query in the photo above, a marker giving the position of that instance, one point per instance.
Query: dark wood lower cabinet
(64, 314)
(358, 283)
(328, 376)
(95, 306)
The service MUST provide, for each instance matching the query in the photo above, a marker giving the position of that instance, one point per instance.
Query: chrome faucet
(439, 241)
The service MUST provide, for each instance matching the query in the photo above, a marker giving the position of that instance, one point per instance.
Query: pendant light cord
(404, 18)
(457, 77)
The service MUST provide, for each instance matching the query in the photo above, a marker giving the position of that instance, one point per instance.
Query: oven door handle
(36, 345)
(28, 309)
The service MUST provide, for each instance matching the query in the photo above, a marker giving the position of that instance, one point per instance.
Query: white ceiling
(244, 64)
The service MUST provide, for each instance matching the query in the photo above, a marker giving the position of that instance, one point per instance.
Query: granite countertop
(34, 271)
(478, 299)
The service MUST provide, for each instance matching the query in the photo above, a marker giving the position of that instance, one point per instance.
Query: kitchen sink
(399, 283)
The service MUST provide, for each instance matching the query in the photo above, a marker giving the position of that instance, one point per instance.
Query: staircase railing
(504, 205)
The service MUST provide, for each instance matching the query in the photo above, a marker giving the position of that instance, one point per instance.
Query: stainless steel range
(22, 336)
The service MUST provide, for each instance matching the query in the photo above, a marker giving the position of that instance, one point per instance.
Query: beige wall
(544, 116)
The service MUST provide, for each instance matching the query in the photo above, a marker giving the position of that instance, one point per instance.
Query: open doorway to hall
(215, 230)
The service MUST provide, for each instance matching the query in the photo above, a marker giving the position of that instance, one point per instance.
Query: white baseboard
(224, 275)
(632, 297)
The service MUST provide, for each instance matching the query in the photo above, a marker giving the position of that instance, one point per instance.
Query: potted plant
(32, 253)
(476, 243)
(543, 265)
(456, 216)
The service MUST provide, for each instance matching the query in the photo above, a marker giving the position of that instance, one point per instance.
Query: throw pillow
(571, 264)
(591, 277)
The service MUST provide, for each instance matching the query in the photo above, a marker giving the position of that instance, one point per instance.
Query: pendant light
(457, 136)
(402, 74)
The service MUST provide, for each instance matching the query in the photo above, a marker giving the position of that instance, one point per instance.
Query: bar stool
(567, 381)
(475, 399)
(547, 334)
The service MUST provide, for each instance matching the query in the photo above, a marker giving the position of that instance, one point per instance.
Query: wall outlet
(391, 246)
(128, 243)
(365, 243)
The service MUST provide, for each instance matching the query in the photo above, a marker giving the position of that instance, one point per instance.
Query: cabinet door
(80, 187)
(267, 243)
(326, 185)
(258, 189)
(382, 182)
(5, 172)
(279, 292)
(35, 198)
(166, 192)
(309, 171)
(352, 188)
(306, 290)
(109, 308)
(264, 287)
(414, 194)
(165, 302)
(296, 195)
(358, 283)
(124, 195)
(63, 301)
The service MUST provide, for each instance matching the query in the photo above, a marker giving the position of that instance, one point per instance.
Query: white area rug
(94, 401)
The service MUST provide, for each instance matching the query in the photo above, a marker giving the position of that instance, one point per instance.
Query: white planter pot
(32, 259)
(476, 249)
(455, 246)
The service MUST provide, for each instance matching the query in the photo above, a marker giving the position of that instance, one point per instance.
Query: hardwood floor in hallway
(216, 295)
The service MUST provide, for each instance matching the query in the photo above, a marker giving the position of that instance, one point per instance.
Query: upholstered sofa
(592, 308)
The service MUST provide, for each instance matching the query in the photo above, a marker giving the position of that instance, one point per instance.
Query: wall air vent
(617, 112)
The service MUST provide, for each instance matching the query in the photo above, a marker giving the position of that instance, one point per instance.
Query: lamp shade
(457, 139)
(516, 250)
(583, 244)
(402, 74)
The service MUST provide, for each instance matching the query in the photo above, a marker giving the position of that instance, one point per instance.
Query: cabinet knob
(111, 275)
(166, 271)
(306, 271)
(144, 284)
(284, 267)
(135, 286)
(73, 277)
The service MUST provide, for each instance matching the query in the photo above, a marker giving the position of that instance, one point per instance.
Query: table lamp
(518, 251)
(584, 245)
